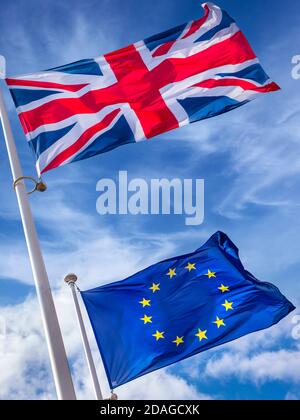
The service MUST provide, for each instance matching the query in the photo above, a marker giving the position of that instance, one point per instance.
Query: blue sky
(249, 159)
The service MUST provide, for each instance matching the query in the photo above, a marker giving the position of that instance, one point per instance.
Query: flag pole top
(71, 278)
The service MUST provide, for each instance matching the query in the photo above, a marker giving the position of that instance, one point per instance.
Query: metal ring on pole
(38, 185)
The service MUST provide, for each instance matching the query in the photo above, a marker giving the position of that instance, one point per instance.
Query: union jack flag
(191, 72)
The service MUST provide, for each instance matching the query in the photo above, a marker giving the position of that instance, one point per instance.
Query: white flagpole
(58, 358)
(71, 279)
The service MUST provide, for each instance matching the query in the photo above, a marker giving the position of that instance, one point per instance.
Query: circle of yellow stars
(201, 334)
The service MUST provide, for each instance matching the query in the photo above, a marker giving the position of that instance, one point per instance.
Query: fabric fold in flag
(194, 71)
(178, 308)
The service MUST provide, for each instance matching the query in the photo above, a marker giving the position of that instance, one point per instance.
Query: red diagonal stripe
(47, 85)
(163, 49)
(54, 111)
(196, 25)
(83, 139)
(244, 84)
(234, 50)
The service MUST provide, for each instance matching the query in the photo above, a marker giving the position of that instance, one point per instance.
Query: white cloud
(23, 362)
(25, 371)
(161, 385)
(282, 365)
(259, 145)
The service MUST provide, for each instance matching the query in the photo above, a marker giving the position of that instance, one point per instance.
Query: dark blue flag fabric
(179, 307)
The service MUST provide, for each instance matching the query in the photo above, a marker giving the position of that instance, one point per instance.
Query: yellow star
(191, 266)
(201, 334)
(171, 273)
(146, 319)
(210, 274)
(179, 340)
(158, 335)
(145, 302)
(219, 322)
(227, 305)
(223, 288)
(154, 287)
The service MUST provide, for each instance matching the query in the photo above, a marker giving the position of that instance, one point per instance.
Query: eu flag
(179, 307)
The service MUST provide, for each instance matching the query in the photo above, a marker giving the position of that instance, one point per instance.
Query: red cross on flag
(191, 72)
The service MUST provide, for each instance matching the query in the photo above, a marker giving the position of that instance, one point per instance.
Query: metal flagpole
(59, 363)
(71, 279)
